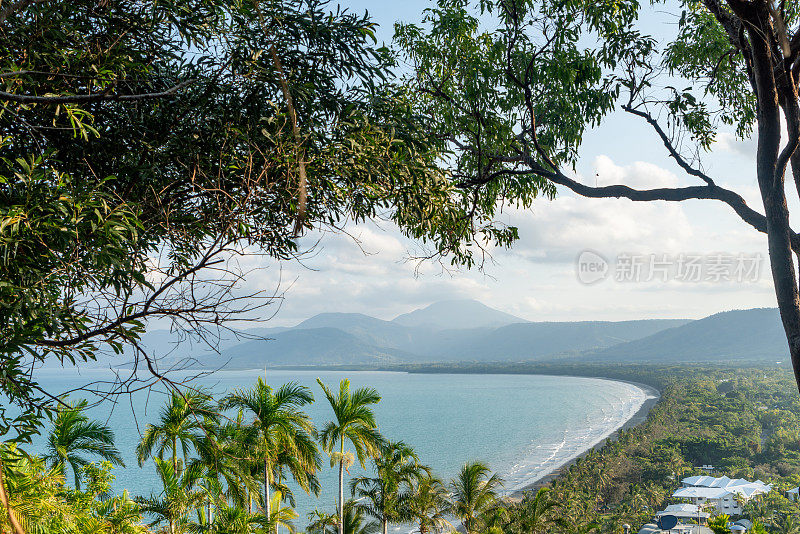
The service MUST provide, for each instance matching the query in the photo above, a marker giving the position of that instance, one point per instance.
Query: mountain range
(467, 330)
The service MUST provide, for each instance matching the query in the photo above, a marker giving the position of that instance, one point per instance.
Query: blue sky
(537, 279)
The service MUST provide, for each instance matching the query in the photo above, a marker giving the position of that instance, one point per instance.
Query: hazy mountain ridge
(358, 339)
(338, 338)
(755, 334)
(456, 314)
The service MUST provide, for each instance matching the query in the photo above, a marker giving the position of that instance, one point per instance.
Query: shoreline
(653, 396)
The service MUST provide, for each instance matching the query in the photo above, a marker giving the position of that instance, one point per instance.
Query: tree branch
(98, 97)
(668, 194)
(668, 144)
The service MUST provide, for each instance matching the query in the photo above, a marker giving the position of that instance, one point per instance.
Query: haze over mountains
(467, 330)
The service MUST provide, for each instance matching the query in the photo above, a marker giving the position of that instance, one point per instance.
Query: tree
(133, 174)
(38, 501)
(182, 422)
(512, 104)
(788, 525)
(386, 496)
(353, 421)
(178, 498)
(473, 492)
(74, 434)
(536, 513)
(429, 504)
(233, 520)
(719, 524)
(320, 522)
(282, 425)
(354, 521)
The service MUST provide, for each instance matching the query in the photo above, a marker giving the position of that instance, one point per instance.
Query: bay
(523, 426)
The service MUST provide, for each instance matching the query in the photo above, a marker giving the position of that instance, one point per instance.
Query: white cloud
(728, 142)
(367, 271)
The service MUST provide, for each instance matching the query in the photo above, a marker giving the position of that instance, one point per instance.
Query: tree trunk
(175, 455)
(385, 526)
(12, 518)
(266, 490)
(771, 184)
(341, 487)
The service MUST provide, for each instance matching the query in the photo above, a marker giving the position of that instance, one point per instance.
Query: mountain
(538, 341)
(456, 314)
(368, 329)
(754, 334)
(312, 346)
(454, 331)
(357, 339)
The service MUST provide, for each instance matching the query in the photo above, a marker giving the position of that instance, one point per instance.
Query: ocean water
(523, 426)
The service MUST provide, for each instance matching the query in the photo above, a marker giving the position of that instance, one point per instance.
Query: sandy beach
(638, 418)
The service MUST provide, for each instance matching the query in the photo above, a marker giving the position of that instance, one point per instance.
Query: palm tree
(178, 498)
(319, 522)
(474, 491)
(282, 516)
(181, 423)
(385, 497)
(494, 520)
(353, 522)
(354, 422)
(223, 456)
(231, 520)
(282, 426)
(429, 504)
(31, 499)
(788, 525)
(535, 513)
(73, 434)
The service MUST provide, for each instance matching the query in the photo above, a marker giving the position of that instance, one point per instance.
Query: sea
(522, 426)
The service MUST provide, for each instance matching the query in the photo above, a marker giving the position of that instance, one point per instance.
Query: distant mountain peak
(457, 314)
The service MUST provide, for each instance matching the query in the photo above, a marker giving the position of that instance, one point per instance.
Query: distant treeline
(657, 376)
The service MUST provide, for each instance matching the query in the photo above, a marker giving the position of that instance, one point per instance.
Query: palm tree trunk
(12, 518)
(385, 526)
(341, 486)
(175, 454)
(266, 490)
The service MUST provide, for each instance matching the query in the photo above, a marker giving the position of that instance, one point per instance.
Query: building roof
(694, 492)
(736, 485)
(683, 510)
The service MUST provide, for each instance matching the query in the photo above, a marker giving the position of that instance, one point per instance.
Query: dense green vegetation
(146, 145)
(225, 463)
(225, 466)
(743, 421)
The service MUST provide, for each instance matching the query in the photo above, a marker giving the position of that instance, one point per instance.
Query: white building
(684, 511)
(722, 493)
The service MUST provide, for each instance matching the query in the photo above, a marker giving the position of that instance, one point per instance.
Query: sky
(577, 258)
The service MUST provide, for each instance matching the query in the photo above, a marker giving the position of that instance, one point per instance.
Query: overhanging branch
(674, 154)
(668, 194)
(97, 97)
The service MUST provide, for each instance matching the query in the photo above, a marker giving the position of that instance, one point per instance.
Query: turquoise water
(523, 426)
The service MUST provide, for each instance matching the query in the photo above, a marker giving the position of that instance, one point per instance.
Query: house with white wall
(723, 494)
